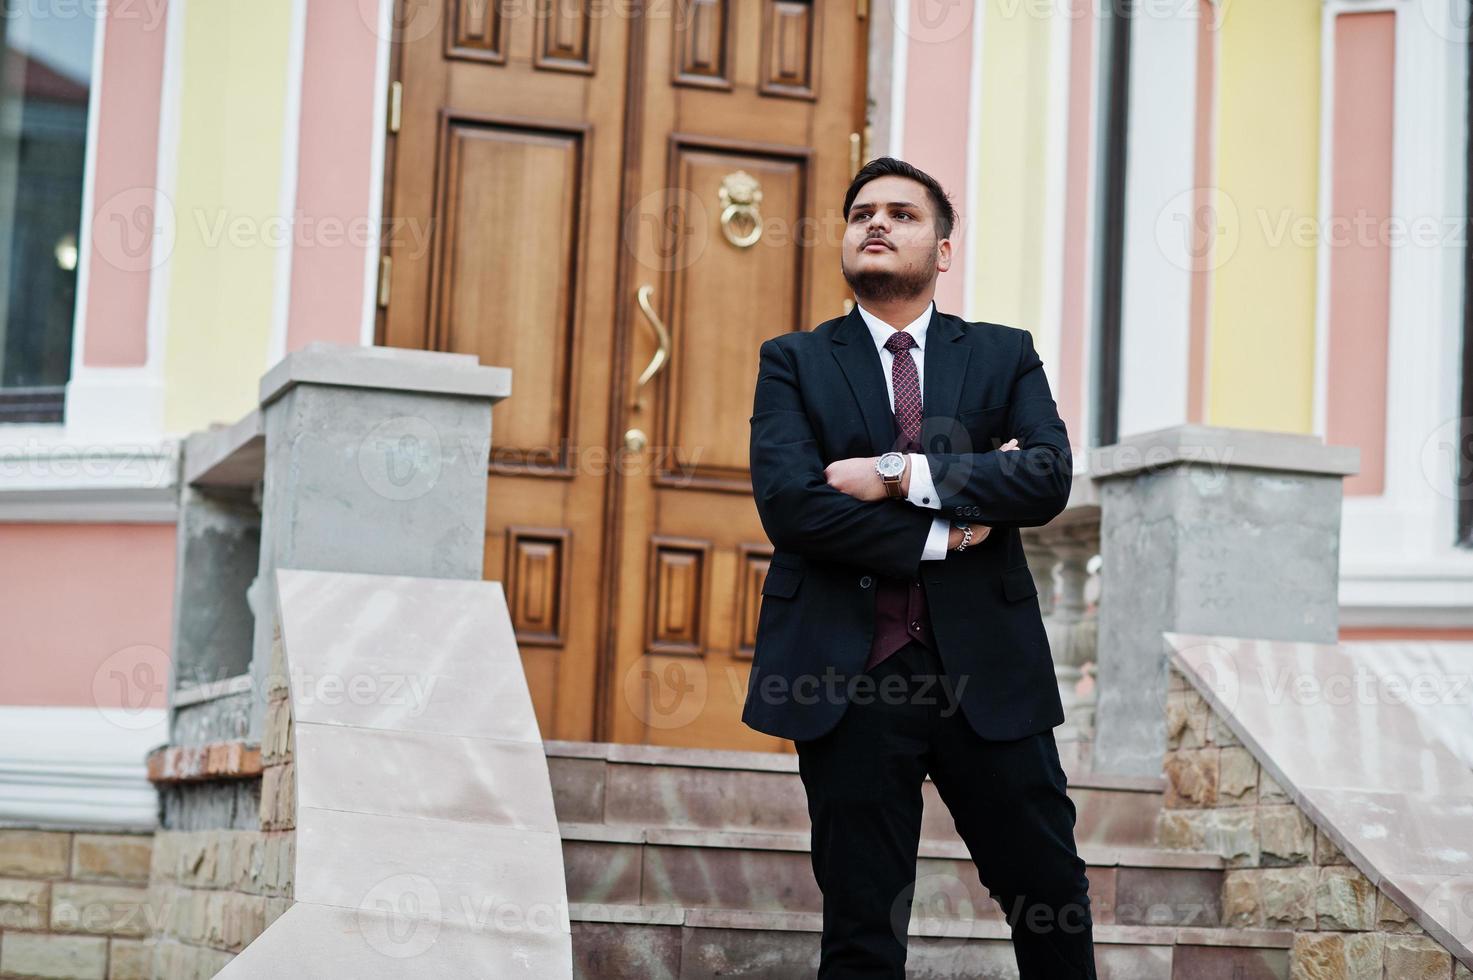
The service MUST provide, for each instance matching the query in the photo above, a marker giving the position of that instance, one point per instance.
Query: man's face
(890, 247)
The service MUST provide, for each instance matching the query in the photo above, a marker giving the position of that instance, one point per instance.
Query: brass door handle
(662, 335)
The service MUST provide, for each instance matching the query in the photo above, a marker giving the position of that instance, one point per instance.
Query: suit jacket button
(866, 582)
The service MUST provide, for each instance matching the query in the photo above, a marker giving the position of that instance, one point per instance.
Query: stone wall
(74, 904)
(1282, 871)
(215, 890)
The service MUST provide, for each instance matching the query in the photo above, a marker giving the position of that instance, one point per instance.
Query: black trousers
(863, 779)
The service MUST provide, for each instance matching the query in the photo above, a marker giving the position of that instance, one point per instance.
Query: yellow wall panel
(222, 279)
(1262, 346)
(1005, 232)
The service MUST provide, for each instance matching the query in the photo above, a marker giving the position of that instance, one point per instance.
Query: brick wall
(1283, 872)
(215, 890)
(74, 904)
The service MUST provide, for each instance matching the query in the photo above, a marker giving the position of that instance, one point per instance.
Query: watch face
(891, 464)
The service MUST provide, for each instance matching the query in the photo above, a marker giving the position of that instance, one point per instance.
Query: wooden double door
(620, 202)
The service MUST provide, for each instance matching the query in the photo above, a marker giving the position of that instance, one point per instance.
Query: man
(899, 632)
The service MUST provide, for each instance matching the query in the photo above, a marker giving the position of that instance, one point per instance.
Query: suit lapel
(854, 349)
(946, 367)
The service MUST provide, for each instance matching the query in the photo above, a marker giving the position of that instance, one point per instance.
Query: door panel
(508, 256)
(503, 183)
(745, 159)
(568, 217)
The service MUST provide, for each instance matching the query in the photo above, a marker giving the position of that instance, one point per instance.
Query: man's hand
(979, 534)
(856, 476)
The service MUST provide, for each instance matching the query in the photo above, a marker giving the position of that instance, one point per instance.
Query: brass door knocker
(741, 222)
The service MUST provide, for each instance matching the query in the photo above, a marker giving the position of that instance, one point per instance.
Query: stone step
(624, 942)
(772, 873)
(652, 786)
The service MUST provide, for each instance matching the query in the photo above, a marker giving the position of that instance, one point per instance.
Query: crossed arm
(803, 511)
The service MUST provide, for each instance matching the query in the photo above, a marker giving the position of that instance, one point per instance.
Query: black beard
(884, 286)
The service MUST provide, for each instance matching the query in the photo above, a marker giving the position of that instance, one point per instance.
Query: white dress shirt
(922, 488)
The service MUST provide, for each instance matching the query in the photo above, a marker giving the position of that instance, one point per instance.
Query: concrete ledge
(1095, 855)
(227, 455)
(1219, 448)
(193, 763)
(733, 759)
(921, 927)
(391, 368)
(78, 768)
(75, 482)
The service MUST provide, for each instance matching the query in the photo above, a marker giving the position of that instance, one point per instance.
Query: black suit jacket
(820, 397)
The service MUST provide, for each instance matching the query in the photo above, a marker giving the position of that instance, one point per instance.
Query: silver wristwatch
(966, 530)
(891, 466)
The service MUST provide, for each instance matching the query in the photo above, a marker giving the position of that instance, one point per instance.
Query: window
(45, 79)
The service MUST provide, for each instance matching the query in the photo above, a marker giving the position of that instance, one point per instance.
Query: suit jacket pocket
(983, 425)
(782, 580)
(1017, 583)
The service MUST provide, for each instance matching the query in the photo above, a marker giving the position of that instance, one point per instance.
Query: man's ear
(943, 255)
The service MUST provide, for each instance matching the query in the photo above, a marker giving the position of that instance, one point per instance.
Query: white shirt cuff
(937, 540)
(922, 487)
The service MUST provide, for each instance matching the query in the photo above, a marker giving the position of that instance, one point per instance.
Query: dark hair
(891, 167)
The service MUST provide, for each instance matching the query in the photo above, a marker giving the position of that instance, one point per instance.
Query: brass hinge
(385, 271)
(859, 149)
(396, 105)
(861, 9)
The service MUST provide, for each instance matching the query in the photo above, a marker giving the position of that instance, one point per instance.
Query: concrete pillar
(375, 461)
(1206, 530)
(359, 459)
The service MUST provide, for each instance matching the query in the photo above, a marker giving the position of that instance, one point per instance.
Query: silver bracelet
(966, 530)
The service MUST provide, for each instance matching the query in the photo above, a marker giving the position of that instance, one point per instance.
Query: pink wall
(123, 186)
(938, 82)
(87, 611)
(1074, 302)
(1360, 257)
(1204, 227)
(335, 175)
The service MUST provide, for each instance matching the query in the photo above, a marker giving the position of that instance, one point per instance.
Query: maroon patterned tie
(907, 388)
